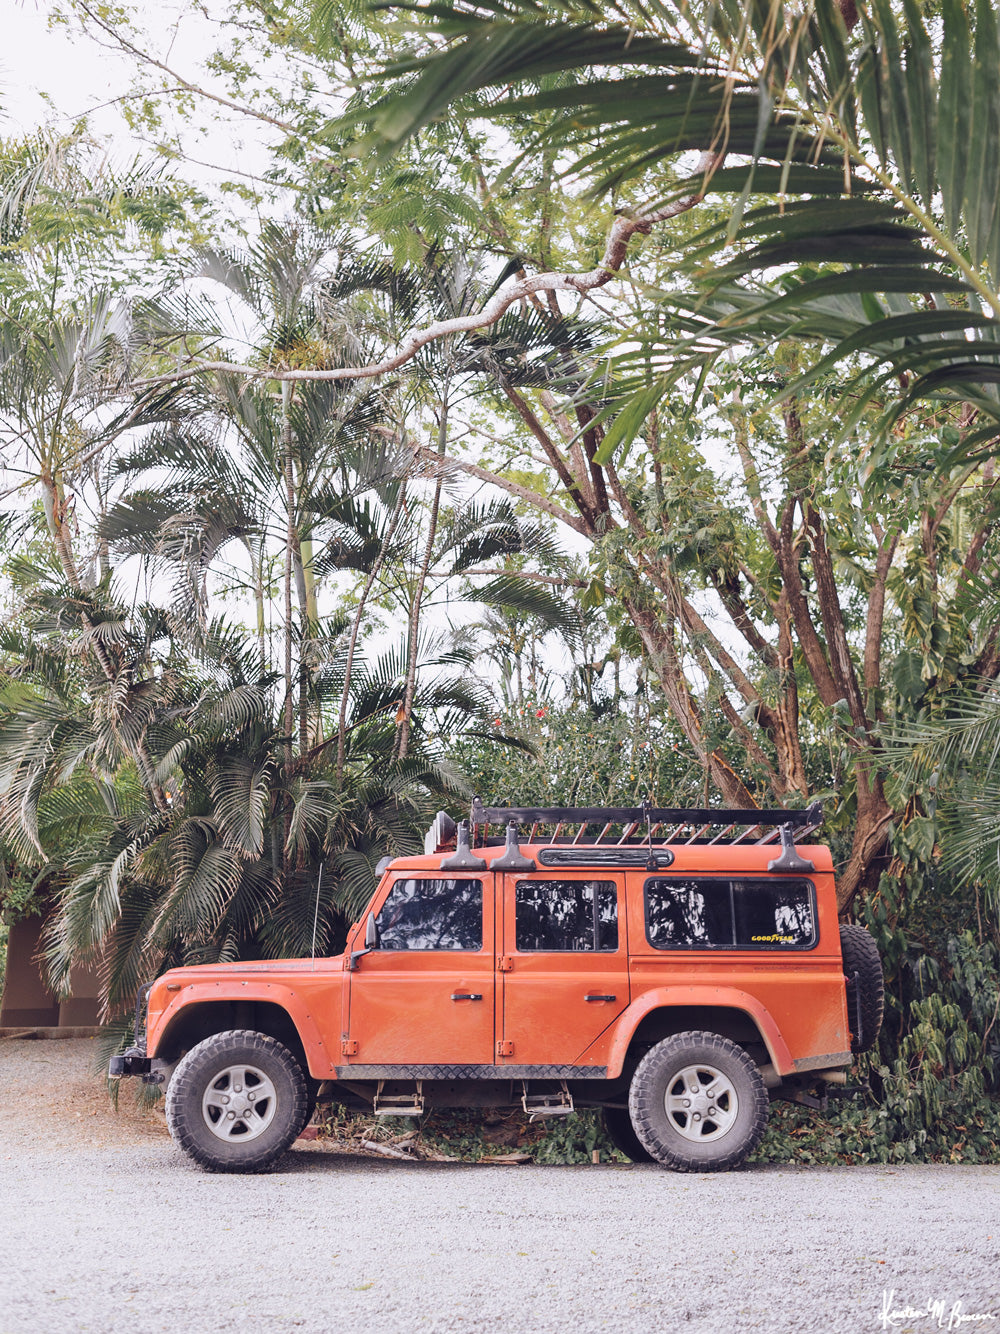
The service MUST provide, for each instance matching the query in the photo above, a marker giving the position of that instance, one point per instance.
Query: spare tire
(865, 986)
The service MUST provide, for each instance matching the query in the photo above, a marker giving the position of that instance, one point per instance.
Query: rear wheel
(237, 1101)
(620, 1131)
(698, 1103)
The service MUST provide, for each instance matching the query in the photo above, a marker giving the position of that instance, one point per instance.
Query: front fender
(728, 998)
(294, 1001)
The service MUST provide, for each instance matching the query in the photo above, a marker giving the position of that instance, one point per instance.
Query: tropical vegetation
(579, 401)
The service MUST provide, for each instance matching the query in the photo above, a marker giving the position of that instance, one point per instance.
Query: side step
(399, 1104)
(538, 1105)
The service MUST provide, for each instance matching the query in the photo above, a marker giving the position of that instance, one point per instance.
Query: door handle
(593, 996)
(465, 995)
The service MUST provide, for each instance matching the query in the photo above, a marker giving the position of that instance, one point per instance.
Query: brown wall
(27, 1001)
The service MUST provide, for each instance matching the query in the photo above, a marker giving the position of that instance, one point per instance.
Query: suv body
(677, 985)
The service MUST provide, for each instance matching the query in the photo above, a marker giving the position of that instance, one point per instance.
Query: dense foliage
(484, 442)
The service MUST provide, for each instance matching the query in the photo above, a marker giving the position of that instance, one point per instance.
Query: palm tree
(875, 128)
(230, 865)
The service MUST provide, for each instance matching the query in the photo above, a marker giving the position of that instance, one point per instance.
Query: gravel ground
(105, 1227)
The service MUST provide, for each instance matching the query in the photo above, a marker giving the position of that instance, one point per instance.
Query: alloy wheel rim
(701, 1103)
(239, 1103)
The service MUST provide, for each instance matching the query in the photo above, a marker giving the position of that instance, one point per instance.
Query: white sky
(54, 76)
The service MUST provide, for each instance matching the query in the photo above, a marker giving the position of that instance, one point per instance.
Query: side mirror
(371, 933)
(371, 943)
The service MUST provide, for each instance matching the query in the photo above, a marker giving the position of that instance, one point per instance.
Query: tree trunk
(345, 694)
(288, 711)
(403, 743)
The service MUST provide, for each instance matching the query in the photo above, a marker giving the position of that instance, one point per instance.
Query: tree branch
(147, 59)
(622, 231)
(524, 493)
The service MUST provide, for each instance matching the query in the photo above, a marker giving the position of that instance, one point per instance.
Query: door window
(432, 915)
(566, 915)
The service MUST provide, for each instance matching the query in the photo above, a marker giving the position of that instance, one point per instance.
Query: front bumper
(131, 1062)
(134, 1061)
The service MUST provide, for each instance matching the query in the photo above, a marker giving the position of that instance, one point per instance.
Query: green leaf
(922, 98)
(954, 109)
(626, 425)
(983, 178)
(906, 675)
(893, 89)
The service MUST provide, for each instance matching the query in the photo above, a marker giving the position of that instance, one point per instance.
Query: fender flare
(318, 1055)
(724, 998)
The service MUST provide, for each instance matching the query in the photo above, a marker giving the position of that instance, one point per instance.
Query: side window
(432, 915)
(758, 914)
(688, 914)
(566, 915)
(774, 914)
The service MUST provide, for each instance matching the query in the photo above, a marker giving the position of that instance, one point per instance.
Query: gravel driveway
(105, 1227)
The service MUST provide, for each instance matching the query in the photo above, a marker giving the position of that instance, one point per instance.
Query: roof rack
(633, 845)
(642, 823)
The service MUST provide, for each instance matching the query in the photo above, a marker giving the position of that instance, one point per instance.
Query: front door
(426, 995)
(564, 966)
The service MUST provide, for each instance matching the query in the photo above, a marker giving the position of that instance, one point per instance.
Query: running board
(399, 1104)
(538, 1105)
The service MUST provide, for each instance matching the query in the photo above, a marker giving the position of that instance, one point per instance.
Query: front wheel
(698, 1103)
(237, 1101)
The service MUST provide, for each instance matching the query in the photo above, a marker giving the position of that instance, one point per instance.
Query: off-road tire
(704, 1142)
(620, 1131)
(204, 1069)
(861, 956)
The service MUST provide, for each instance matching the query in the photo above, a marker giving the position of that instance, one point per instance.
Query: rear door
(426, 996)
(563, 975)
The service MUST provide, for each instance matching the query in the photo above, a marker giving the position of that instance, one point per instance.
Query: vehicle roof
(703, 858)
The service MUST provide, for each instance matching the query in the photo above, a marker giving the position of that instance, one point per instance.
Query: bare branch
(524, 493)
(535, 578)
(285, 126)
(622, 231)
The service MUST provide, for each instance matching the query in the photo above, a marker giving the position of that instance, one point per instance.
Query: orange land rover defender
(676, 968)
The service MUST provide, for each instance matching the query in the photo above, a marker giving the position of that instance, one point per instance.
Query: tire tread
(646, 1090)
(860, 955)
(184, 1085)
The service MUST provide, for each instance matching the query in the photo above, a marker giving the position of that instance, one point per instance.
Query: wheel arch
(201, 1019)
(732, 1015)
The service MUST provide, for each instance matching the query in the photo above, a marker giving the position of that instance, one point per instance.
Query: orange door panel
(564, 964)
(426, 996)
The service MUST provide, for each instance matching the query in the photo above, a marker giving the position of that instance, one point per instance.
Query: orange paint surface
(455, 1007)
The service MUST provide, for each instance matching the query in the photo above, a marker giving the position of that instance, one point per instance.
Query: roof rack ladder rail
(722, 834)
(697, 833)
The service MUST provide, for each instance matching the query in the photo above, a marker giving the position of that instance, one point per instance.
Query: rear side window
(566, 915)
(432, 915)
(716, 913)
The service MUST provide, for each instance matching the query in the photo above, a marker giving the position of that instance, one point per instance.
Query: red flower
(540, 713)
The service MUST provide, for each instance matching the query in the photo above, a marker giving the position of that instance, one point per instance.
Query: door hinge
(505, 1048)
(349, 1048)
(505, 963)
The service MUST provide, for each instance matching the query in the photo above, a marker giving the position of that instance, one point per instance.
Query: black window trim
(732, 949)
(477, 878)
(575, 879)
